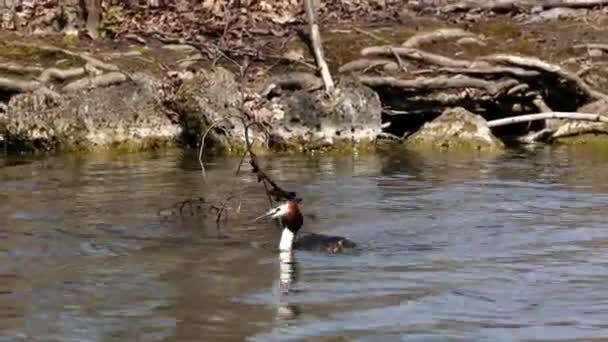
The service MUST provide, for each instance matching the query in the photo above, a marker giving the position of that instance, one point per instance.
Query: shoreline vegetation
(238, 77)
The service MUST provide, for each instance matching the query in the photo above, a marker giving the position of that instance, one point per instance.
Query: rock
(455, 128)
(311, 120)
(583, 129)
(126, 115)
(211, 97)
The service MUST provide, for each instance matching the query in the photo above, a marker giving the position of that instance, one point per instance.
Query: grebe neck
(287, 238)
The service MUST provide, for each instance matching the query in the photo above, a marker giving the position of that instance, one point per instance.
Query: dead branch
(367, 64)
(440, 35)
(18, 86)
(549, 115)
(535, 63)
(318, 47)
(54, 73)
(417, 55)
(440, 83)
(96, 81)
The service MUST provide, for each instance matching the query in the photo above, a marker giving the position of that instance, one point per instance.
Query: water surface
(501, 248)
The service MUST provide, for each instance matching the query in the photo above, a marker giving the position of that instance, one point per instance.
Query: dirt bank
(397, 67)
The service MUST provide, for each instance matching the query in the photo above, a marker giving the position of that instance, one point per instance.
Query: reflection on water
(506, 247)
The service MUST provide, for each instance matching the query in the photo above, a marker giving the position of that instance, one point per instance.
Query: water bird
(292, 220)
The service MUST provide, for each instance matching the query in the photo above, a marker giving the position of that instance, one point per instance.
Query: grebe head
(291, 218)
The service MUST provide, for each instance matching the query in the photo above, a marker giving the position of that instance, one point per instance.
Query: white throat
(287, 238)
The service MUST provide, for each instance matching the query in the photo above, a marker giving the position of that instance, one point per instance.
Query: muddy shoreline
(63, 93)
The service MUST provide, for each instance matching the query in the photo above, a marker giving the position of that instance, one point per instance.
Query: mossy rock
(455, 129)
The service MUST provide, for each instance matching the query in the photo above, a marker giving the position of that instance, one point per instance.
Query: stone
(312, 120)
(455, 128)
(583, 129)
(125, 115)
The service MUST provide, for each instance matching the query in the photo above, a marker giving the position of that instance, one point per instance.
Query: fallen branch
(417, 55)
(317, 46)
(440, 35)
(440, 83)
(96, 81)
(535, 63)
(549, 115)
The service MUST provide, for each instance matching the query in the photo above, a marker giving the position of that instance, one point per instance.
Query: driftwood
(416, 55)
(549, 115)
(315, 37)
(440, 35)
(440, 83)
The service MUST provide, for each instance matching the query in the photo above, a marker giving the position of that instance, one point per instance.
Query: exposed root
(293, 80)
(488, 5)
(59, 74)
(603, 47)
(548, 4)
(441, 82)
(96, 81)
(417, 55)
(549, 115)
(367, 64)
(20, 69)
(492, 71)
(535, 63)
(440, 35)
(18, 86)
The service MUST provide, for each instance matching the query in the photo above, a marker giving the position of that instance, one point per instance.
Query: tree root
(293, 80)
(59, 74)
(487, 5)
(491, 71)
(96, 81)
(18, 86)
(20, 69)
(535, 63)
(367, 64)
(416, 55)
(459, 81)
(548, 4)
(440, 35)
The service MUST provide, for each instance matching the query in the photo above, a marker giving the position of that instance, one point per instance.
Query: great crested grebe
(292, 220)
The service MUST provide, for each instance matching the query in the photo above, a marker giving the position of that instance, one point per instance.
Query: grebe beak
(269, 213)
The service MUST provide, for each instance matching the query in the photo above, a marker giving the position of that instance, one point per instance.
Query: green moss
(599, 141)
(14, 50)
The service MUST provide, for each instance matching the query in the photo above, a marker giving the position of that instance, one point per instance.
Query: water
(502, 248)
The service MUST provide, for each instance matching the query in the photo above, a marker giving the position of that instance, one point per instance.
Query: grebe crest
(292, 220)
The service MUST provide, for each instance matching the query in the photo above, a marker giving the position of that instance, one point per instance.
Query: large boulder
(581, 131)
(311, 120)
(211, 97)
(126, 115)
(455, 128)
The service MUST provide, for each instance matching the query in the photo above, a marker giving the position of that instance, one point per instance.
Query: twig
(549, 115)
(318, 47)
